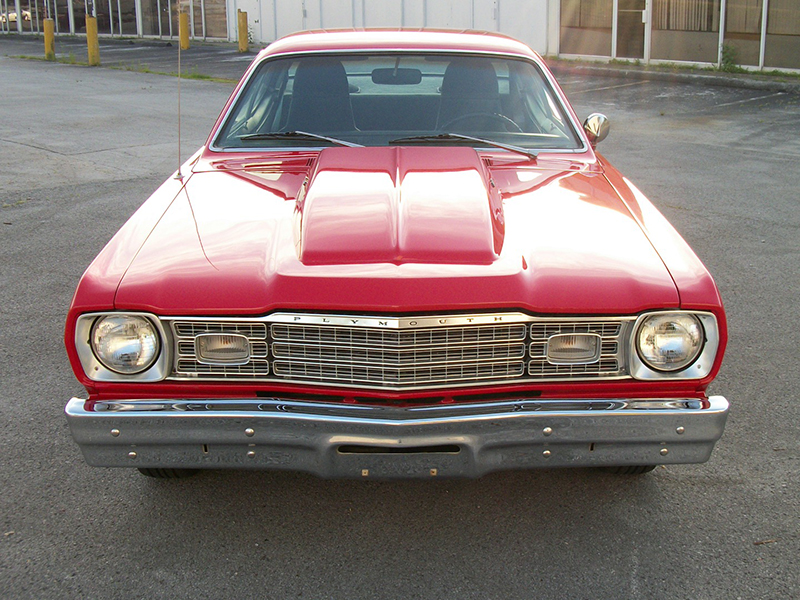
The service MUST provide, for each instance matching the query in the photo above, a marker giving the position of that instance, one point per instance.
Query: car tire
(630, 469)
(168, 473)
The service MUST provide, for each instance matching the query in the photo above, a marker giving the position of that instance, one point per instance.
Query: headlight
(670, 341)
(125, 344)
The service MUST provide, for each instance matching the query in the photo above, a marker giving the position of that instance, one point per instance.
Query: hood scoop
(398, 205)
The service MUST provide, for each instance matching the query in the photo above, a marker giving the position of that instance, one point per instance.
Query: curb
(734, 80)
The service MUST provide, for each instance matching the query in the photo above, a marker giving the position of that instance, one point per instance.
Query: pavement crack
(34, 146)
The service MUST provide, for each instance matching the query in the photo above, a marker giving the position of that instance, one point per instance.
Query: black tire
(630, 469)
(168, 473)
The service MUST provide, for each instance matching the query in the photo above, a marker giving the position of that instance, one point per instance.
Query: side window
(262, 104)
(534, 105)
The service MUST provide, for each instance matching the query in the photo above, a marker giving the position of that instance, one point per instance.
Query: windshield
(372, 100)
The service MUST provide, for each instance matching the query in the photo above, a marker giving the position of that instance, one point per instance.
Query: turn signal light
(222, 348)
(567, 349)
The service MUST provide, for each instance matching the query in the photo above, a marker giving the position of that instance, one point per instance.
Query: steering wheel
(502, 119)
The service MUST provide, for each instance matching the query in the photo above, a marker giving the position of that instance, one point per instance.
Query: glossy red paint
(399, 205)
(570, 245)
(372, 231)
(696, 286)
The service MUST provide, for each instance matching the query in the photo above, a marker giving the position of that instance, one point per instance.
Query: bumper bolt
(680, 430)
(115, 432)
(251, 454)
(546, 453)
(132, 455)
(249, 432)
(547, 430)
(664, 452)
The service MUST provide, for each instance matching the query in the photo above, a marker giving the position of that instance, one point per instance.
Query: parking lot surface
(81, 148)
(220, 60)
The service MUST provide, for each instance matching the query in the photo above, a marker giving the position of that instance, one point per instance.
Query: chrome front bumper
(335, 440)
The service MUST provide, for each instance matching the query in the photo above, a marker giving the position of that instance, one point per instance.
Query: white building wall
(526, 20)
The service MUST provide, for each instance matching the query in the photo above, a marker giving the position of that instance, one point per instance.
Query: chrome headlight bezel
(669, 342)
(138, 334)
(97, 370)
(699, 367)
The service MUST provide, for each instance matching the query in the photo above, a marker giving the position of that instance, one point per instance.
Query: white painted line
(750, 99)
(611, 87)
(778, 154)
(128, 49)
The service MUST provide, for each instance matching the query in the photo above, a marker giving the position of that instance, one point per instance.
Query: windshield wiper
(423, 139)
(297, 135)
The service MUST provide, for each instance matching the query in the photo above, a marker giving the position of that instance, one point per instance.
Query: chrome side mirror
(596, 127)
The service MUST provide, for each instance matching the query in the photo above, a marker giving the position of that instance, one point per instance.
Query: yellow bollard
(92, 41)
(49, 39)
(243, 41)
(183, 28)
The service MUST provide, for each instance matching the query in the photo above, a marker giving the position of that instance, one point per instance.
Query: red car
(397, 255)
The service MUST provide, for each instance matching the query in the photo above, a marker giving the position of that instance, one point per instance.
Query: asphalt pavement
(81, 148)
(213, 59)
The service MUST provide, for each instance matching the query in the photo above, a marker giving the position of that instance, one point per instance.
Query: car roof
(360, 40)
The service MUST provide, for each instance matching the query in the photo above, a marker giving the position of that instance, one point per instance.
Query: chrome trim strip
(377, 413)
(400, 322)
(433, 387)
(397, 322)
(272, 433)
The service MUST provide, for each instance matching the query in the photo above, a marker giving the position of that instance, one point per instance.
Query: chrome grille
(387, 376)
(399, 353)
(191, 368)
(191, 329)
(354, 336)
(398, 358)
(609, 364)
(187, 365)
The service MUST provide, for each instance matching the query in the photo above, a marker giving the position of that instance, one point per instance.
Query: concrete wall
(526, 20)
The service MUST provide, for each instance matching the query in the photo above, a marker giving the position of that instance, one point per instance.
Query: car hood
(396, 229)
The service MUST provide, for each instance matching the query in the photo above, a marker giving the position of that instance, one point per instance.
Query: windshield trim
(558, 93)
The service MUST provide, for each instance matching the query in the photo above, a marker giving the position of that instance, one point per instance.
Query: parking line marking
(611, 87)
(750, 99)
(126, 49)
